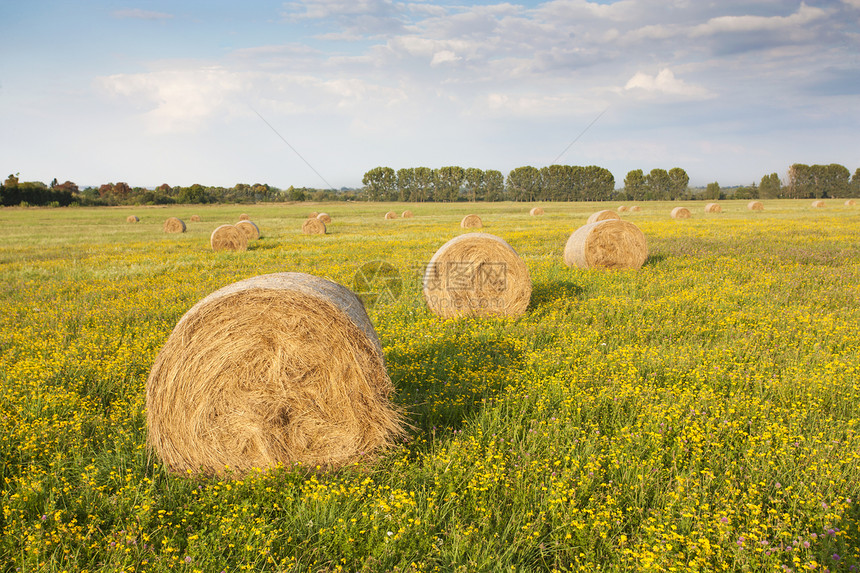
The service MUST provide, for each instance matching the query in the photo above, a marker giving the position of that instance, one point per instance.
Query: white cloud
(665, 82)
(723, 24)
(138, 14)
(444, 57)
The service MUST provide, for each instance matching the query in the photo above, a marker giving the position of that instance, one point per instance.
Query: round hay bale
(283, 368)
(755, 206)
(407, 214)
(251, 230)
(391, 215)
(713, 208)
(324, 217)
(850, 203)
(313, 215)
(680, 213)
(313, 227)
(604, 215)
(635, 208)
(471, 222)
(477, 274)
(132, 219)
(536, 211)
(817, 204)
(621, 208)
(174, 225)
(228, 238)
(607, 244)
(195, 218)
(244, 217)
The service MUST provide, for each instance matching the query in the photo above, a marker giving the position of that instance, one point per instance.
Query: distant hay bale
(283, 368)
(132, 219)
(228, 238)
(477, 274)
(604, 215)
(313, 227)
(680, 213)
(244, 217)
(607, 244)
(755, 206)
(621, 208)
(391, 215)
(713, 208)
(471, 222)
(251, 230)
(850, 203)
(536, 211)
(174, 225)
(313, 215)
(324, 217)
(817, 204)
(635, 208)
(407, 214)
(195, 218)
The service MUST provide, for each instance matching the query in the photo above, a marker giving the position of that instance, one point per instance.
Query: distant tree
(834, 180)
(11, 181)
(494, 185)
(679, 182)
(712, 192)
(598, 183)
(854, 188)
(635, 185)
(746, 193)
(405, 184)
(556, 183)
(447, 182)
(770, 187)
(294, 194)
(380, 183)
(658, 185)
(801, 182)
(523, 183)
(474, 184)
(423, 185)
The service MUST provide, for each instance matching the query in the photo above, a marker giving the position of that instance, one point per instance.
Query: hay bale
(471, 222)
(755, 206)
(281, 368)
(251, 230)
(536, 211)
(195, 218)
(713, 208)
(621, 208)
(313, 215)
(313, 227)
(680, 213)
(604, 215)
(228, 238)
(818, 204)
(391, 215)
(635, 208)
(850, 203)
(244, 217)
(607, 244)
(324, 217)
(132, 219)
(174, 225)
(407, 214)
(477, 274)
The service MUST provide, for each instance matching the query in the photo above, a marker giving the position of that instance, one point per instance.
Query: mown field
(700, 414)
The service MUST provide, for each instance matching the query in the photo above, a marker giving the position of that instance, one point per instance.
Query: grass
(700, 414)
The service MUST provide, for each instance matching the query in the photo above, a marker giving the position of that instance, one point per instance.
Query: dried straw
(636, 208)
(244, 217)
(755, 206)
(818, 204)
(604, 215)
(132, 219)
(713, 208)
(313, 227)
(850, 203)
(228, 238)
(391, 215)
(174, 225)
(195, 218)
(536, 211)
(324, 217)
(407, 214)
(621, 208)
(251, 230)
(680, 213)
(471, 222)
(277, 369)
(477, 274)
(313, 215)
(607, 244)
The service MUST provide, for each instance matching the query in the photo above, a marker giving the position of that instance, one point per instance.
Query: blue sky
(155, 92)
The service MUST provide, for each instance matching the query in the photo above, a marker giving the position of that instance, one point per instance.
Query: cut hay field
(699, 414)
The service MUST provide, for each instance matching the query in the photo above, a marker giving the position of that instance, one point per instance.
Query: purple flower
(835, 557)
(724, 519)
(806, 544)
(188, 559)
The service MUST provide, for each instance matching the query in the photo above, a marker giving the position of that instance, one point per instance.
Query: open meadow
(699, 414)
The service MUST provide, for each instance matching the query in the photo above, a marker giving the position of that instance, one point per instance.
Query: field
(700, 414)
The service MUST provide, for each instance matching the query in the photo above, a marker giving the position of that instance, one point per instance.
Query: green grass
(699, 414)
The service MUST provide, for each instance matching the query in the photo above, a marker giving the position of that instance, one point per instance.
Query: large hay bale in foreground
(680, 213)
(713, 208)
(607, 244)
(604, 215)
(850, 203)
(477, 274)
(471, 222)
(391, 215)
(407, 214)
(228, 238)
(536, 211)
(755, 206)
(313, 227)
(312, 214)
(174, 225)
(132, 219)
(817, 204)
(324, 217)
(244, 217)
(251, 230)
(282, 368)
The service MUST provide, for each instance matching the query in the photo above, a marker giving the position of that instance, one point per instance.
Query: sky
(316, 93)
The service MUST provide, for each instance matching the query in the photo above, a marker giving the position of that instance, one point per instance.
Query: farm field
(699, 414)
